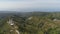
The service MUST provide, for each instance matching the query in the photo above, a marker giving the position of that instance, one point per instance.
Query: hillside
(30, 23)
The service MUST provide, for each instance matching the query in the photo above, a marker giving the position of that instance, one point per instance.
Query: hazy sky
(30, 5)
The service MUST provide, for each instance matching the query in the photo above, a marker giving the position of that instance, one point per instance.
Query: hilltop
(31, 22)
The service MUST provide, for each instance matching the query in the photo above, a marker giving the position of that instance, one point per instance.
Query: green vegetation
(32, 23)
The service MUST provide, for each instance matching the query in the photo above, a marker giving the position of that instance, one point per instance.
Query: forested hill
(31, 22)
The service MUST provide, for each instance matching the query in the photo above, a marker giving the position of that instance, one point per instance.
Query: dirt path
(14, 29)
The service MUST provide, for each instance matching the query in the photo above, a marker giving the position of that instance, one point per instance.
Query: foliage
(36, 23)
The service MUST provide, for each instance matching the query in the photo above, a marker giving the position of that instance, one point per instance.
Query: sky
(29, 5)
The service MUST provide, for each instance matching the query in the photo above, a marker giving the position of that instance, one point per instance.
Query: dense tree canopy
(36, 23)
